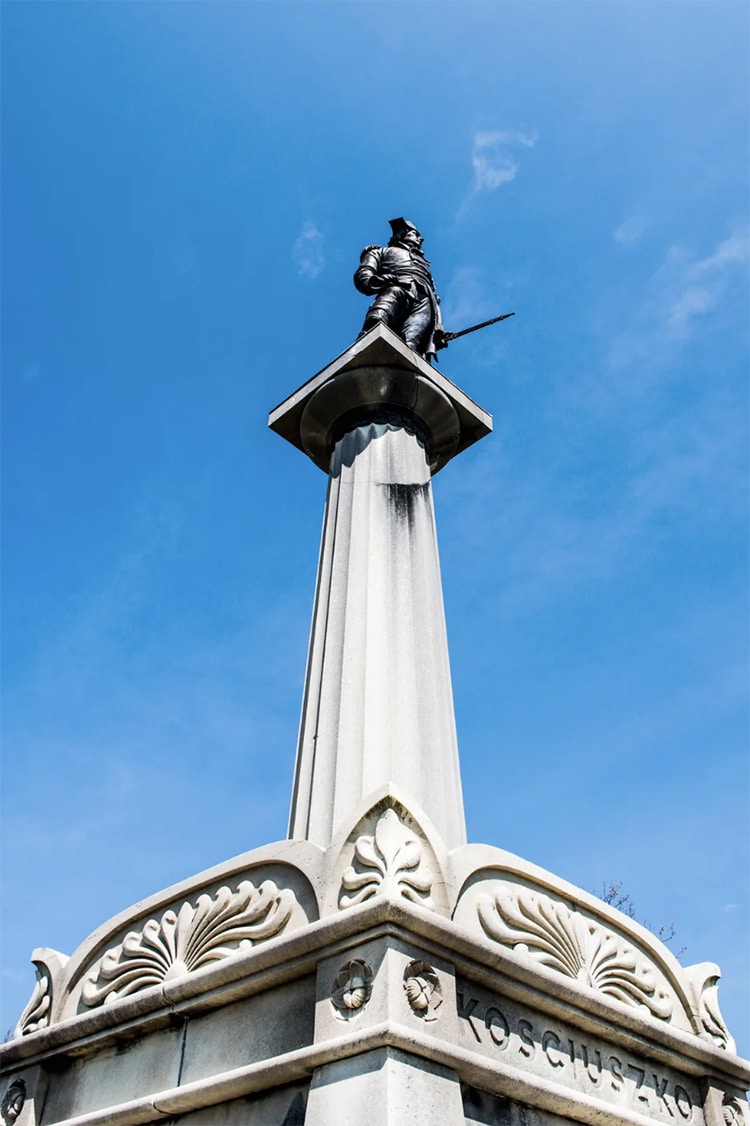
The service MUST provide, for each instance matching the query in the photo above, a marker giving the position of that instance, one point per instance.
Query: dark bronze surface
(398, 275)
(405, 299)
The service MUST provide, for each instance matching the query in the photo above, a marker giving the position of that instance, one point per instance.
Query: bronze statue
(405, 298)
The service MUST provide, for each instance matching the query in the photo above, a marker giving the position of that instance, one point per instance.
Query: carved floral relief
(178, 942)
(704, 983)
(391, 861)
(580, 948)
(36, 1015)
(422, 990)
(49, 965)
(352, 987)
(734, 1111)
(13, 1101)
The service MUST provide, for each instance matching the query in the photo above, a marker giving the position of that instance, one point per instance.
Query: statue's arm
(370, 277)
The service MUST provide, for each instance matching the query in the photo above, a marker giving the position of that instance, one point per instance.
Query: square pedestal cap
(435, 403)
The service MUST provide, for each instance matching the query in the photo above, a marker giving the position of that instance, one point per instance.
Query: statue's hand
(440, 339)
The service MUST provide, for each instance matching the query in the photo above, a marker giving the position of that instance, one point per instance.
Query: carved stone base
(381, 980)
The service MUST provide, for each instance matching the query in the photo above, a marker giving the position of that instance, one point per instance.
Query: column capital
(379, 377)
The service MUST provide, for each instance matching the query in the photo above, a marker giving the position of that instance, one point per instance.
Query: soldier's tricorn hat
(398, 226)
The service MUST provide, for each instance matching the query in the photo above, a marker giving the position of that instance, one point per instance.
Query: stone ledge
(308, 418)
(290, 957)
(496, 1078)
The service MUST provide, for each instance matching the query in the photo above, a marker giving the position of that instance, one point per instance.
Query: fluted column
(378, 705)
(378, 708)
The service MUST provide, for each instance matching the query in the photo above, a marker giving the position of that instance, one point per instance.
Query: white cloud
(683, 292)
(308, 251)
(695, 288)
(629, 231)
(494, 160)
(678, 440)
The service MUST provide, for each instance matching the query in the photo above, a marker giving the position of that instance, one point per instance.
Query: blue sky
(186, 190)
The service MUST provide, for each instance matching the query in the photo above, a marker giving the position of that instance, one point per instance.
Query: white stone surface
(378, 971)
(378, 704)
(379, 348)
(386, 1087)
(431, 1002)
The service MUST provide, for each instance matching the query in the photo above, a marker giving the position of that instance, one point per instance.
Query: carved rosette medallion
(217, 926)
(390, 862)
(13, 1101)
(422, 990)
(547, 931)
(352, 987)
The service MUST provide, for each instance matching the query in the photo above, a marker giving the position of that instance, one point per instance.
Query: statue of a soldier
(405, 299)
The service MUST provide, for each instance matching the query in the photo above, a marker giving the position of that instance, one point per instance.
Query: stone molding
(49, 966)
(389, 848)
(391, 861)
(233, 929)
(181, 930)
(571, 933)
(567, 942)
(421, 390)
(218, 926)
(400, 925)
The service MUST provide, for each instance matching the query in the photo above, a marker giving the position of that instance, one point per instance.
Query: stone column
(378, 707)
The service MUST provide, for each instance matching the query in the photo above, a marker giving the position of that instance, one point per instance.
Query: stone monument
(375, 969)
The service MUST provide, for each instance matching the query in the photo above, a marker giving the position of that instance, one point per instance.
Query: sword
(444, 338)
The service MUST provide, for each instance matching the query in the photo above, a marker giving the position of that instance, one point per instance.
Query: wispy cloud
(557, 537)
(694, 288)
(683, 292)
(495, 161)
(307, 251)
(678, 442)
(630, 230)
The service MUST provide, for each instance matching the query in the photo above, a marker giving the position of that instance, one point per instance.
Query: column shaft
(378, 705)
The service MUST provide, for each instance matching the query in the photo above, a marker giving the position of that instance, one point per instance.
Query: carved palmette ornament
(734, 1111)
(49, 964)
(352, 987)
(179, 942)
(548, 932)
(37, 1012)
(391, 861)
(422, 990)
(704, 983)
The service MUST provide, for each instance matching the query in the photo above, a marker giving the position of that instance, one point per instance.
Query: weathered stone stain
(404, 499)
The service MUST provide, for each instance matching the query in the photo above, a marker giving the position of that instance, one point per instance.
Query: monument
(374, 968)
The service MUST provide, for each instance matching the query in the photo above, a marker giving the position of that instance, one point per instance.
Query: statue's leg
(417, 325)
(389, 308)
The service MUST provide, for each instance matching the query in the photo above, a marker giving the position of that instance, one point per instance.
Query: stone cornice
(290, 957)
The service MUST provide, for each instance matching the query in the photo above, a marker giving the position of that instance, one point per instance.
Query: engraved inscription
(573, 1059)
